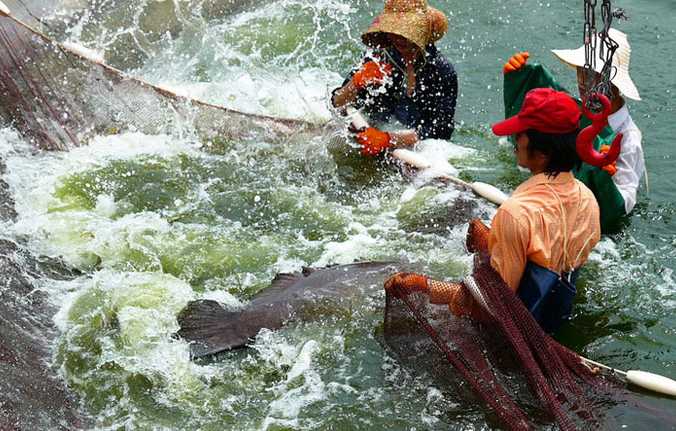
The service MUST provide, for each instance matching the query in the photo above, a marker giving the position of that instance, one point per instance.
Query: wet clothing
(552, 222)
(615, 194)
(430, 110)
(548, 296)
(539, 239)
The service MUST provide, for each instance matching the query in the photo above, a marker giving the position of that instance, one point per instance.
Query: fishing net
(502, 358)
(59, 96)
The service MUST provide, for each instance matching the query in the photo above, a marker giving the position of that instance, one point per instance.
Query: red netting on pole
(60, 98)
(524, 377)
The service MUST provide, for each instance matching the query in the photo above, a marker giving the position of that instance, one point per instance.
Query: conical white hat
(622, 80)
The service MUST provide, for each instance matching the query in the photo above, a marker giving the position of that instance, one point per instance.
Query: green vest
(610, 201)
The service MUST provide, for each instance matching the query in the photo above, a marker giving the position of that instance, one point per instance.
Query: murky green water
(157, 221)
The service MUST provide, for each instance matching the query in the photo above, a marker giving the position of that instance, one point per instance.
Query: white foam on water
(606, 248)
(437, 154)
(356, 247)
(302, 387)
(430, 415)
(299, 95)
(241, 78)
(437, 149)
(229, 300)
(609, 256)
(144, 308)
(33, 177)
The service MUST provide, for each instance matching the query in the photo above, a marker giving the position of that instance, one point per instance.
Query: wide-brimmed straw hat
(413, 20)
(621, 78)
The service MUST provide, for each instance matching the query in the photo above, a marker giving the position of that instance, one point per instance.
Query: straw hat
(622, 80)
(438, 24)
(411, 19)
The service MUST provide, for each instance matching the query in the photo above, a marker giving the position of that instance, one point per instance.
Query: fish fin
(282, 281)
(211, 329)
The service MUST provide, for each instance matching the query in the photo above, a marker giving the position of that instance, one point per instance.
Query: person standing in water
(405, 78)
(544, 233)
(615, 186)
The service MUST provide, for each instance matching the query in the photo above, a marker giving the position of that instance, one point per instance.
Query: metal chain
(606, 49)
(589, 38)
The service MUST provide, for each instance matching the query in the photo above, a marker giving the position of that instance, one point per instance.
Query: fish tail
(211, 329)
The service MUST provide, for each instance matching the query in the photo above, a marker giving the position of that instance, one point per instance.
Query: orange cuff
(442, 292)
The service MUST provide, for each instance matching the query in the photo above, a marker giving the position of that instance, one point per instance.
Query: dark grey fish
(212, 329)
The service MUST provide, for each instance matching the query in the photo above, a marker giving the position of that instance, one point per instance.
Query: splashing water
(155, 221)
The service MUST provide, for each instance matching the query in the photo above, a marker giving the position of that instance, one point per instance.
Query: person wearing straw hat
(615, 186)
(403, 78)
(543, 234)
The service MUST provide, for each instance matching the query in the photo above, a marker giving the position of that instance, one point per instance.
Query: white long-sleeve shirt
(631, 163)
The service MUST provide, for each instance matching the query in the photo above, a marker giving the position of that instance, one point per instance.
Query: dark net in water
(504, 361)
(59, 97)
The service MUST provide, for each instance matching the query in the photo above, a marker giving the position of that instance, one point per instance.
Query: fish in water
(306, 295)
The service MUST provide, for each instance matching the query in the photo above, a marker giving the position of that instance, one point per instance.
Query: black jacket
(430, 110)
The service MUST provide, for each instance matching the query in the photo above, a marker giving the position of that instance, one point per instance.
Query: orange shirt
(532, 226)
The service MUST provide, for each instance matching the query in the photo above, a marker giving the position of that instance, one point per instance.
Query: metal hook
(585, 140)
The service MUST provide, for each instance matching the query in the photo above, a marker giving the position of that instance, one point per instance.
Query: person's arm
(458, 298)
(345, 95)
(508, 244)
(371, 73)
(522, 78)
(374, 141)
(404, 138)
(630, 168)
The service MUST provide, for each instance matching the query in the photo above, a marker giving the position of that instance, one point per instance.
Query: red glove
(371, 73)
(373, 141)
(403, 284)
(516, 62)
(611, 168)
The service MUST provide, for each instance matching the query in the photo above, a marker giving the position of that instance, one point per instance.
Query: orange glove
(611, 168)
(373, 141)
(516, 62)
(404, 283)
(371, 73)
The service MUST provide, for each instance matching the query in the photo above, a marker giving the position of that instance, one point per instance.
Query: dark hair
(558, 148)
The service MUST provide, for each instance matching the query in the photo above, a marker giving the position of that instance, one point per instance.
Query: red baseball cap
(545, 110)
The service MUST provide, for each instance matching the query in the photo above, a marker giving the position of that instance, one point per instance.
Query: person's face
(586, 79)
(535, 162)
(521, 150)
(406, 49)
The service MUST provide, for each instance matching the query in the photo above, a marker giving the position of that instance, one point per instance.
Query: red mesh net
(59, 99)
(523, 376)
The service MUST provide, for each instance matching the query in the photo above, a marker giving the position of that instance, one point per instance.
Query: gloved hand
(371, 73)
(403, 284)
(611, 168)
(373, 141)
(516, 62)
